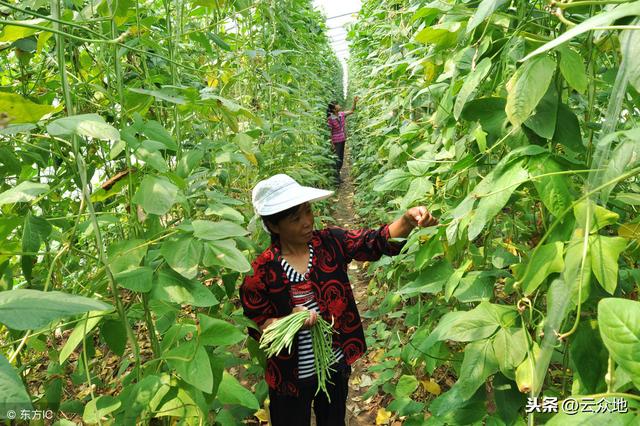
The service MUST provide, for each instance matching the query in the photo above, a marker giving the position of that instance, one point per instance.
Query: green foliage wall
(517, 124)
(131, 136)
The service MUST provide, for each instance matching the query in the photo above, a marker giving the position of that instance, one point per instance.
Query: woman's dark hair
(331, 107)
(275, 218)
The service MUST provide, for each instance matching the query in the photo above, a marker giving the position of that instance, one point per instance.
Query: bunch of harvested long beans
(323, 354)
(281, 334)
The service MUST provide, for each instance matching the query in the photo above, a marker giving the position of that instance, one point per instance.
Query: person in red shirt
(304, 268)
(336, 120)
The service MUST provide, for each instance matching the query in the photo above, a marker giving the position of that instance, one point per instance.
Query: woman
(336, 120)
(307, 269)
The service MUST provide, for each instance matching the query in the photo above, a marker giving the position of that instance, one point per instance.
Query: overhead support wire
(344, 14)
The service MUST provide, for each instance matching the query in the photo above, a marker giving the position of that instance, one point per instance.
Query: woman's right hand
(313, 316)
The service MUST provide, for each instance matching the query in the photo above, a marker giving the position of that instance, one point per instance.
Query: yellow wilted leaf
(630, 231)
(377, 355)
(431, 386)
(262, 415)
(429, 71)
(383, 417)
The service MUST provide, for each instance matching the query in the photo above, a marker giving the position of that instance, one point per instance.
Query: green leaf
(34, 232)
(11, 33)
(479, 363)
(152, 158)
(527, 87)
(192, 364)
(188, 162)
(554, 190)
(156, 195)
(600, 20)
(589, 356)
(630, 48)
(393, 180)
(88, 125)
(509, 400)
(625, 156)
(156, 132)
(161, 94)
(495, 196)
(232, 392)
(470, 84)
(574, 273)
(220, 42)
(126, 255)
(212, 231)
(142, 396)
(567, 131)
(543, 122)
(23, 192)
(484, 10)
(225, 253)
(405, 406)
(406, 386)
(619, 322)
(441, 35)
(600, 217)
(594, 419)
(476, 324)
(25, 309)
(489, 112)
(455, 278)
(169, 286)
(546, 260)
(183, 254)
(430, 280)
(97, 409)
(114, 335)
(138, 279)
(426, 252)
(510, 348)
(604, 259)
(13, 395)
(22, 110)
(216, 332)
(82, 329)
(452, 409)
(572, 69)
(628, 198)
(477, 286)
(181, 404)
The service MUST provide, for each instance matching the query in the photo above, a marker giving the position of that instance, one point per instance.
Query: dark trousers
(338, 148)
(296, 411)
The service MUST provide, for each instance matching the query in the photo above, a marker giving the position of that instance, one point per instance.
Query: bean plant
(516, 122)
(131, 134)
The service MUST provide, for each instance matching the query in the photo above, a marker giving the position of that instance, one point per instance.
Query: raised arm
(353, 108)
(415, 216)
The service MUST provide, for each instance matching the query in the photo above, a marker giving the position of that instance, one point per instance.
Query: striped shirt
(303, 296)
(337, 125)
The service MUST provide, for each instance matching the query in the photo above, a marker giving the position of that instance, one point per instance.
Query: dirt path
(359, 411)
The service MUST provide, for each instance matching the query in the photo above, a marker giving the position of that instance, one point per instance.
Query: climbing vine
(517, 123)
(131, 135)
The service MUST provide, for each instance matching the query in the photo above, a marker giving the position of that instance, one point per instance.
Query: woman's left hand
(420, 216)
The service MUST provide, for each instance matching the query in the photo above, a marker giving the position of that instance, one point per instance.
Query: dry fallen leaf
(365, 381)
(377, 355)
(262, 415)
(383, 417)
(431, 386)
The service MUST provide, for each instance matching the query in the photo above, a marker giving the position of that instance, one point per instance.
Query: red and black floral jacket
(267, 294)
